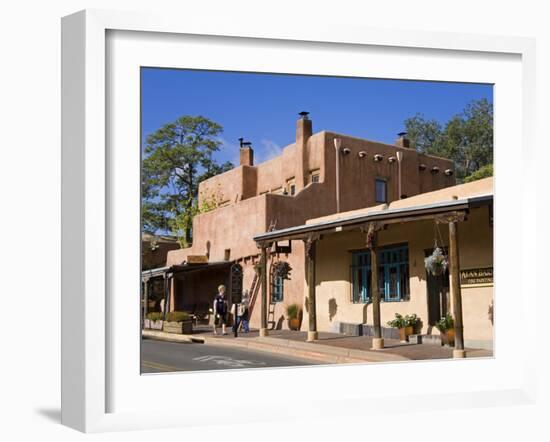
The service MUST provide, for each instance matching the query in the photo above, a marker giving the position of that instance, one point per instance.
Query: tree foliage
(177, 157)
(467, 138)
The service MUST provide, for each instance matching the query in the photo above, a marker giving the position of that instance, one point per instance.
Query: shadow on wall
(332, 308)
(365, 308)
(279, 324)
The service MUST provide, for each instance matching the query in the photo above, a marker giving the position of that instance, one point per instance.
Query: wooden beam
(455, 288)
(146, 284)
(263, 281)
(310, 245)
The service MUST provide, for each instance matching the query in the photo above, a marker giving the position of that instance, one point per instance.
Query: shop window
(277, 289)
(315, 176)
(393, 274)
(381, 190)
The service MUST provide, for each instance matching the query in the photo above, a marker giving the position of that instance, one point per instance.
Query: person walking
(242, 313)
(220, 310)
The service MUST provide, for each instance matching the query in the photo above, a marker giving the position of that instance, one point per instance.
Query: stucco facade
(298, 185)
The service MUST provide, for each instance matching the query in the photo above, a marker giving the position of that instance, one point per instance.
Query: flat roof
(459, 197)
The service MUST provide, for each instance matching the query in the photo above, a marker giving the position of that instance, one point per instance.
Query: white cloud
(230, 150)
(269, 149)
(266, 150)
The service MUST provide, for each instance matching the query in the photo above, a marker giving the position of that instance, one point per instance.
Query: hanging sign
(482, 275)
(197, 259)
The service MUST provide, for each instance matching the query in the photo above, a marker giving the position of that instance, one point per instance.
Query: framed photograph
(253, 214)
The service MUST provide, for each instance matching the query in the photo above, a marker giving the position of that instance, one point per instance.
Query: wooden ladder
(253, 293)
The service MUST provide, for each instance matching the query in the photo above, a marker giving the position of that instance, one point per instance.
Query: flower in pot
(436, 263)
(411, 324)
(294, 316)
(400, 324)
(446, 327)
(154, 320)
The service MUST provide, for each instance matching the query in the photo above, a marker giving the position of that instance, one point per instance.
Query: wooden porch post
(172, 289)
(312, 334)
(263, 276)
(166, 297)
(145, 299)
(456, 293)
(377, 341)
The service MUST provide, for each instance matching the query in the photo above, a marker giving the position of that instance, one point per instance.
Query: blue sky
(263, 108)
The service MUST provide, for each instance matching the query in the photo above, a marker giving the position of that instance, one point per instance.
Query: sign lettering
(482, 275)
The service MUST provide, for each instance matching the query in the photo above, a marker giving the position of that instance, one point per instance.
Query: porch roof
(180, 268)
(451, 199)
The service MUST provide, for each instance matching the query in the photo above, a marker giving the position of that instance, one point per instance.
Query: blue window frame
(393, 274)
(277, 289)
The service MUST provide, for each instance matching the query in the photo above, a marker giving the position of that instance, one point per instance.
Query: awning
(402, 214)
(181, 268)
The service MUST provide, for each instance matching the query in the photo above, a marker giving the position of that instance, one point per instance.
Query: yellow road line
(157, 366)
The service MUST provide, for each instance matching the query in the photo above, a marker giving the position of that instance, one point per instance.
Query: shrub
(293, 311)
(154, 316)
(177, 316)
(445, 323)
(411, 320)
(398, 322)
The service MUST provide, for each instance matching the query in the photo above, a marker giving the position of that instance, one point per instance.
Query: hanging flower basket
(437, 263)
(282, 269)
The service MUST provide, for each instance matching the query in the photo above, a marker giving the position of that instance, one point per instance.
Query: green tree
(177, 157)
(467, 138)
(482, 172)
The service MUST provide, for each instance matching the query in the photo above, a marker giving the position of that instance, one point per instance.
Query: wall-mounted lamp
(362, 154)
(346, 151)
(435, 170)
(378, 157)
(448, 172)
(421, 167)
(391, 160)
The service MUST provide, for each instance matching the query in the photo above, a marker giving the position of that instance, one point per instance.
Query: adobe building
(327, 178)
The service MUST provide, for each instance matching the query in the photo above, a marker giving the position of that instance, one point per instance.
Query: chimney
(246, 153)
(304, 130)
(402, 141)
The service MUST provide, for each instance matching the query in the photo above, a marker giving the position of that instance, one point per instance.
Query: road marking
(228, 361)
(157, 366)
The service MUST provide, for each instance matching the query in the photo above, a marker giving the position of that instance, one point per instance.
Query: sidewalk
(331, 348)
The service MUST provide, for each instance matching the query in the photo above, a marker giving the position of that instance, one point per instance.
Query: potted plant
(411, 324)
(294, 316)
(437, 262)
(446, 327)
(178, 322)
(282, 269)
(153, 320)
(399, 323)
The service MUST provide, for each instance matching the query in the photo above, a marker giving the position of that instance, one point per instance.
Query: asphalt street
(161, 356)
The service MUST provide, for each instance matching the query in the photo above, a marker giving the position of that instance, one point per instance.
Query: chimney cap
(304, 115)
(241, 141)
(246, 144)
(401, 134)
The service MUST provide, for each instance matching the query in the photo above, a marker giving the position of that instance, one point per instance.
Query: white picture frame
(88, 172)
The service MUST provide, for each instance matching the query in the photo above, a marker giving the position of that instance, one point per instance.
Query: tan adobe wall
(230, 227)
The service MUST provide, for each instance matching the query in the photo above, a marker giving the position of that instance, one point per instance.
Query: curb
(313, 351)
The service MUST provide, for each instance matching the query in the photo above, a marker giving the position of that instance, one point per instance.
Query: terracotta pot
(448, 337)
(294, 323)
(403, 334)
(409, 330)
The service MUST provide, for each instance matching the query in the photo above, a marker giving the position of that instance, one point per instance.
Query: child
(242, 313)
(220, 309)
